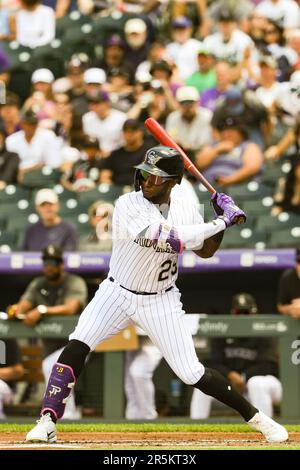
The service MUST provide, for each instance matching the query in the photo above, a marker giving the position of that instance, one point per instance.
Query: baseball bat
(165, 139)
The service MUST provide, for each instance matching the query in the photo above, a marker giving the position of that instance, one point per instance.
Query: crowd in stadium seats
(81, 76)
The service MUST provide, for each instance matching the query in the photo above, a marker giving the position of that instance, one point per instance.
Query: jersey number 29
(167, 267)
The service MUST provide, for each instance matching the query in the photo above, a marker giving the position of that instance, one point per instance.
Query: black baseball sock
(214, 384)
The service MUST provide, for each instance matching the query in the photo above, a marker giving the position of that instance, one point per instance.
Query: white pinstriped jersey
(137, 263)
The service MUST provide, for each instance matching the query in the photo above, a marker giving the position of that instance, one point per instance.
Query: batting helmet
(160, 161)
(243, 303)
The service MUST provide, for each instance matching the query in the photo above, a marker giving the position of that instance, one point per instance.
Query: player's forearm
(210, 246)
(195, 236)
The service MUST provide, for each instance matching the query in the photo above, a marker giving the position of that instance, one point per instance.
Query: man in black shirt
(11, 370)
(250, 364)
(289, 290)
(119, 167)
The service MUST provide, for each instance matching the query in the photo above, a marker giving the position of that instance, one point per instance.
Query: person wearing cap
(184, 48)
(119, 167)
(233, 159)
(9, 163)
(288, 296)
(268, 84)
(190, 124)
(10, 113)
(54, 292)
(247, 108)
(104, 122)
(75, 68)
(229, 41)
(283, 11)
(100, 220)
(50, 228)
(85, 172)
(137, 45)
(250, 364)
(41, 99)
(113, 55)
(205, 77)
(35, 146)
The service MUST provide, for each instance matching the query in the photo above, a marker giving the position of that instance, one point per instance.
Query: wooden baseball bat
(165, 139)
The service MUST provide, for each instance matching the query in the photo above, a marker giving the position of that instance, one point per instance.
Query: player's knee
(193, 375)
(256, 384)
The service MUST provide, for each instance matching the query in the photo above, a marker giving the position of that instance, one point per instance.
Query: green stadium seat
(103, 192)
(289, 238)
(257, 207)
(244, 237)
(282, 221)
(19, 224)
(248, 191)
(64, 194)
(13, 193)
(45, 178)
(8, 242)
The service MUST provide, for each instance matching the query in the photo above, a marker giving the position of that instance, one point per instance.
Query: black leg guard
(74, 355)
(214, 384)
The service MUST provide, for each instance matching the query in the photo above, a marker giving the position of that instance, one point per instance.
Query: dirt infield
(148, 441)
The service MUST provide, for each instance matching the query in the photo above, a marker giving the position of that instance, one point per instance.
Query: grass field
(150, 436)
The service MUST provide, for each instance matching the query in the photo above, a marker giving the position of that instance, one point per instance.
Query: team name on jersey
(158, 247)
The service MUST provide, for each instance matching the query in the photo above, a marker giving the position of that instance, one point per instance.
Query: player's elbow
(205, 252)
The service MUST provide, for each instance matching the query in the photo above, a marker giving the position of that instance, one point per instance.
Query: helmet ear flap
(137, 180)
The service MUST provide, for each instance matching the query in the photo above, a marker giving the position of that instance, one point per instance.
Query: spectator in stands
(104, 123)
(11, 370)
(224, 77)
(229, 42)
(10, 113)
(119, 89)
(233, 159)
(9, 163)
(85, 173)
(113, 55)
(137, 45)
(184, 48)
(34, 24)
(50, 229)
(76, 67)
(190, 125)
(246, 107)
(283, 11)
(205, 77)
(156, 101)
(293, 42)
(288, 300)
(94, 79)
(36, 147)
(268, 85)
(275, 44)
(250, 364)
(119, 167)
(41, 100)
(100, 236)
(287, 196)
(157, 53)
(256, 23)
(55, 292)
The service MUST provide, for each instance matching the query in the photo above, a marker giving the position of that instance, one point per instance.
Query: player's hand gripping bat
(165, 139)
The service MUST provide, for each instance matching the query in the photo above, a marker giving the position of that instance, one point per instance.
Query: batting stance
(150, 228)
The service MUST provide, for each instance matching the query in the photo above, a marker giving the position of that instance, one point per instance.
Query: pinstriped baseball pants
(161, 316)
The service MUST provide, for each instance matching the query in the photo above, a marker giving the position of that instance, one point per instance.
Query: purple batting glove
(226, 209)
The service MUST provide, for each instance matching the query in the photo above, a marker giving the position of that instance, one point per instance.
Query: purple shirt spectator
(210, 97)
(38, 236)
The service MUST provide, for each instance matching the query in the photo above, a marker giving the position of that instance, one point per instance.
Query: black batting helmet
(160, 161)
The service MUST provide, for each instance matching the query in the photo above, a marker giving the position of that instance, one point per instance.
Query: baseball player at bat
(151, 227)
